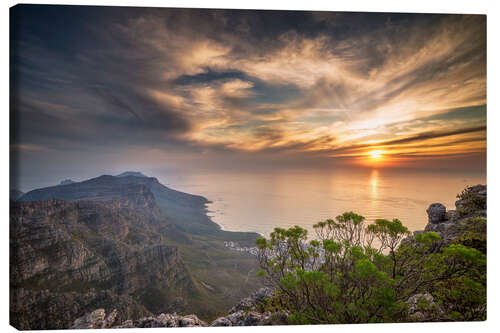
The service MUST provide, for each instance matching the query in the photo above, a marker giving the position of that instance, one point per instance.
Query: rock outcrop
(436, 213)
(251, 302)
(245, 313)
(248, 312)
(98, 319)
(252, 318)
(449, 224)
(421, 307)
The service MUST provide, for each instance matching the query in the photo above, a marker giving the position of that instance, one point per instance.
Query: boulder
(436, 213)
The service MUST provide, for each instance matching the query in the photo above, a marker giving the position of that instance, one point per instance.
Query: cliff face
(67, 256)
(122, 242)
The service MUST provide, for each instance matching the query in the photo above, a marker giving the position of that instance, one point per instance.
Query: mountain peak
(131, 173)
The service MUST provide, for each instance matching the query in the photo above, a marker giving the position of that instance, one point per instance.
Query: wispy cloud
(259, 82)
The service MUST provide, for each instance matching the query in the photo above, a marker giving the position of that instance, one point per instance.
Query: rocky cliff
(120, 242)
(69, 252)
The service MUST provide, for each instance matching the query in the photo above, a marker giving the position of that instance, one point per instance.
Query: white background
(491, 8)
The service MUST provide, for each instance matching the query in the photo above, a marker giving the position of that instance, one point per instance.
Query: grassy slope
(222, 276)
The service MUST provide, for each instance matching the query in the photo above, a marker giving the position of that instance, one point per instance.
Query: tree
(352, 273)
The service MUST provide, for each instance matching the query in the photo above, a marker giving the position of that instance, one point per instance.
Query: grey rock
(252, 318)
(250, 303)
(92, 320)
(415, 299)
(191, 321)
(222, 321)
(449, 224)
(436, 213)
(110, 319)
(422, 307)
(98, 319)
(126, 324)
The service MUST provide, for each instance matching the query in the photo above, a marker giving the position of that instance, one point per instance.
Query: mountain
(185, 210)
(68, 250)
(102, 189)
(126, 241)
(131, 173)
(66, 182)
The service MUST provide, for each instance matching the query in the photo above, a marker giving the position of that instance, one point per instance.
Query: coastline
(219, 224)
(208, 211)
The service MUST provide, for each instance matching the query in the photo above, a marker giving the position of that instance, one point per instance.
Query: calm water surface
(260, 201)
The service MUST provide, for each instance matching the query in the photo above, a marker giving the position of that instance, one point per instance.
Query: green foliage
(471, 202)
(473, 234)
(466, 298)
(427, 238)
(342, 277)
(261, 272)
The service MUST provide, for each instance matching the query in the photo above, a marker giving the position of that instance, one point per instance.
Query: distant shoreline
(206, 210)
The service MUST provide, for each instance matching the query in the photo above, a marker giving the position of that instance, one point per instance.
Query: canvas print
(180, 167)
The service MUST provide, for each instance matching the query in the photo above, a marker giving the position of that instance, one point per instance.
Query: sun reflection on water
(374, 183)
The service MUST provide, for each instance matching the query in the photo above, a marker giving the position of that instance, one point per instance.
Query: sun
(376, 154)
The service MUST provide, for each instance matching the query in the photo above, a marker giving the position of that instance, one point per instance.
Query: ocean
(262, 200)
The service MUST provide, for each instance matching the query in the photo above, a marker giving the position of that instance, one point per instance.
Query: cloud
(432, 135)
(188, 81)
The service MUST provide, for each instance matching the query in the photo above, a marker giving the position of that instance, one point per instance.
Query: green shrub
(352, 273)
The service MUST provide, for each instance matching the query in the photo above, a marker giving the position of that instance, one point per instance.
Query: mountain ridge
(97, 234)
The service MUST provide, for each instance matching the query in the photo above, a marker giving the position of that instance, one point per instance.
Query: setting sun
(376, 154)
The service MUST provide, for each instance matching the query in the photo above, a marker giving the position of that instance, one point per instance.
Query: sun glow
(376, 154)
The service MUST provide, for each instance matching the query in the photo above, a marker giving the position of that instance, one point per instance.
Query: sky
(101, 89)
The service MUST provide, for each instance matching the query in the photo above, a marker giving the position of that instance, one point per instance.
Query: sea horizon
(374, 193)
